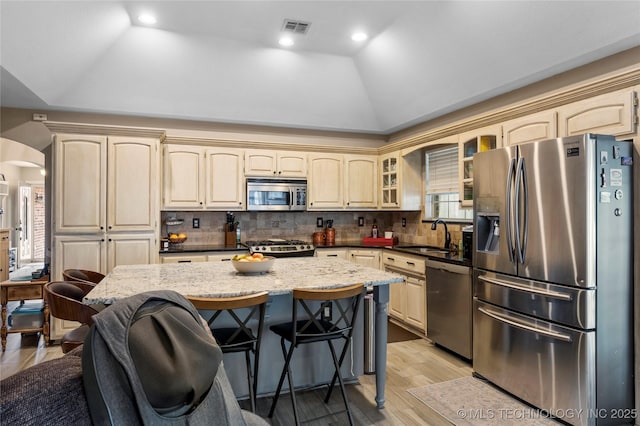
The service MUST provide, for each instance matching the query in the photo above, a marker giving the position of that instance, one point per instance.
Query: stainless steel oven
(276, 195)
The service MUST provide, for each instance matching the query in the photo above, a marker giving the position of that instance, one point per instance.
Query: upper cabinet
(105, 184)
(531, 128)
(478, 140)
(286, 164)
(224, 183)
(196, 178)
(401, 181)
(132, 183)
(361, 181)
(612, 114)
(183, 177)
(80, 183)
(325, 184)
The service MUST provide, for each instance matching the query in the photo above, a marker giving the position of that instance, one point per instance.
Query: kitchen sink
(432, 250)
(423, 249)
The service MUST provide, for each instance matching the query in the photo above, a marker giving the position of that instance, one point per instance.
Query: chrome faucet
(447, 236)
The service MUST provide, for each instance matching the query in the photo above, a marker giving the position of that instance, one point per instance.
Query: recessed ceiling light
(145, 18)
(359, 37)
(285, 41)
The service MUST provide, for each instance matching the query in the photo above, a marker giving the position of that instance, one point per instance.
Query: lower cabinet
(331, 252)
(408, 300)
(363, 257)
(213, 256)
(100, 253)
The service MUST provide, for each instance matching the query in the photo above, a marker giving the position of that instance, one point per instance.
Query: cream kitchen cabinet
(530, 128)
(612, 114)
(183, 183)
(326, 183)
(360, 182)
(286, 164)
(198, 178)
(100, 253)
(223, 256)
(80, 183)
(224, 183)
(182, 258)
(213, 256)
(408, 300)
(478, 140)
(105, 183)
(365, 257)
(331, 252)
(400, 181)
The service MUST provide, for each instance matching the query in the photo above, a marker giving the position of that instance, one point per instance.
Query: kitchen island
(220, 279)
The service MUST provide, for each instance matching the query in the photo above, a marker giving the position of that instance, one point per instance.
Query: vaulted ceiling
(220, 61)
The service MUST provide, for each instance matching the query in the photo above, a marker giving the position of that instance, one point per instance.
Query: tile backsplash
(302, 225)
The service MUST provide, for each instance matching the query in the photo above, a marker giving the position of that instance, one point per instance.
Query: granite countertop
(220, 279)
(404, 248)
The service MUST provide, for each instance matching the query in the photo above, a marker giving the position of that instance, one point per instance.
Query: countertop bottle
(374, 230)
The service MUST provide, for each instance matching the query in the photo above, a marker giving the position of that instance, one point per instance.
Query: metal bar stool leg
(342, 388)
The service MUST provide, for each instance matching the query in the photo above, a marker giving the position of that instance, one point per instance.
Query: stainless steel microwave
(276, 195)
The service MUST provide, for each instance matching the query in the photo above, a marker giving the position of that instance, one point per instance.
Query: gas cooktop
(281, 248)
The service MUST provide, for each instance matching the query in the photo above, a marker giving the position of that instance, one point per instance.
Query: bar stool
(310, 324)
(82, 275)
(65, 302)
(238, 338)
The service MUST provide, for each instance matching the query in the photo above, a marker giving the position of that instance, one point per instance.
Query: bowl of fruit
(177, 238)
(255, 263)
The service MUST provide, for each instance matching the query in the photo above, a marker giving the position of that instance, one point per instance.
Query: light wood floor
(410, 364)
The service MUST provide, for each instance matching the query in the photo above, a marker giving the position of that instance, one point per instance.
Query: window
(442, 197)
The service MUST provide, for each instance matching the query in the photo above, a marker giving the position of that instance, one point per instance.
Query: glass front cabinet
(390, 184)
(477, 140)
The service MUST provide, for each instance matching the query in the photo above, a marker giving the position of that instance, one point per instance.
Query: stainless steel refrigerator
(553, 275)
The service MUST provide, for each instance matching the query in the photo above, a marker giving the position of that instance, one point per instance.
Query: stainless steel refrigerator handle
(517, 210)
(547, 293)
(525, 185)
(508, 199)
(501, 318)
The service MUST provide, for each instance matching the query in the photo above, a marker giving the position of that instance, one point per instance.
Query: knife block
(229, 236)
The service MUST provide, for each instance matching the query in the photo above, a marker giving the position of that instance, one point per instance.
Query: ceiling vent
(297, 27)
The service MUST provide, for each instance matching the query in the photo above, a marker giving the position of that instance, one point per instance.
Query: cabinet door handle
(411, 263)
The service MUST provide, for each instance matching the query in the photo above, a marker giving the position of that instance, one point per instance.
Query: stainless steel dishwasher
(449, 306)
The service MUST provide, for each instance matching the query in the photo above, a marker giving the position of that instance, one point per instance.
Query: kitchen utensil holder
(229, 235)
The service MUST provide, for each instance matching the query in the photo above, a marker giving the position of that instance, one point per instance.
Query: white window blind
(442, 171)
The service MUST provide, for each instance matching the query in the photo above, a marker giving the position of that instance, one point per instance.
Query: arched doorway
(23, 206)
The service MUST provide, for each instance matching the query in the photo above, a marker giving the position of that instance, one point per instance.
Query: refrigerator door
(548, 365)
(570, 306)
(556, 211)
(493, 187)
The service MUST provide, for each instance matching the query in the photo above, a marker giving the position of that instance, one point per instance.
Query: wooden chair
(65, 302)
(82, 275)
(238, 337)
(311, 324)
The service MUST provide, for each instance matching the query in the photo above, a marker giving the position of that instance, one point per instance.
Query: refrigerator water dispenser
(488, 232)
